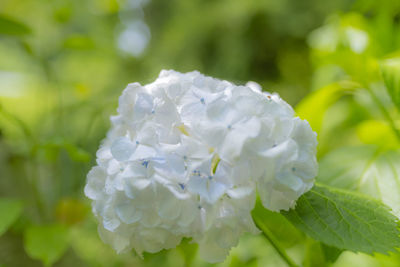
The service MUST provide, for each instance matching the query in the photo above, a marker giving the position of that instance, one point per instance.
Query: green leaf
(312, 108)
(346, 220)
(10, 210)
(46, 242)
(52, 149)
(331, 254)
(320, 254)
(77, 154)
(378, 133)
(10, 26)
(274, 242)
(364, 169)
(313, 255)
(79, 42)
(287, 233)
(391, 76)
(188, 251)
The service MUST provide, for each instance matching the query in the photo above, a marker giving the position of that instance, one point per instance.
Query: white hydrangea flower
(185, 157)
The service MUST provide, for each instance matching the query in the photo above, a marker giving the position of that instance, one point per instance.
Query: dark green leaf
(346, 220)
(331, 253)
(10, 26)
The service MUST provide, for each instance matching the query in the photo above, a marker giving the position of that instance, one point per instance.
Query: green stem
(274, 242)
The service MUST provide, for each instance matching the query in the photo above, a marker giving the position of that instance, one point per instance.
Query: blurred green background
(63, 64)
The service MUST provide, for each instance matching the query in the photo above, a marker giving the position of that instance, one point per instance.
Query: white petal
(128, 213)
(95, 183)
(240, 192)
(236, 138)
(110, 221)
(150, 218)
(169, 206)
(189, 212)
(208, 189)
(118, 242)
(227, 237)
(198, 185)
(143, 152)
(122, 148)
(135, 187)
(113, 167)
(212, 253)
(143, 105)
(290, 180)
(215, 191)
(287, 147)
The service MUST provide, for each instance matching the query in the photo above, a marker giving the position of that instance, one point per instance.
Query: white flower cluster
(185, 157)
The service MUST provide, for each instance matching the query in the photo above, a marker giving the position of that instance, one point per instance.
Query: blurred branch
(17, 121)
(33, 174)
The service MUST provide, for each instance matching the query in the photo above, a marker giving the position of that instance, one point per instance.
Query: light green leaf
(188, 251)
(391, 76)
(377, 132)
(364, 169)
(46, 242)
(346, 220)
(313, 255)
(10, 210)
(10, 26)
(312, 108)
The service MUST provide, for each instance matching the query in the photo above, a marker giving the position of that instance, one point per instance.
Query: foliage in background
(64, 63)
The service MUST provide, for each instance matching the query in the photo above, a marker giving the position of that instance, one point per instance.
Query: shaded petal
(127, 212)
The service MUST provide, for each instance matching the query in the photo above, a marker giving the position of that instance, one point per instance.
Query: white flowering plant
(188, 155)
(196, 171)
